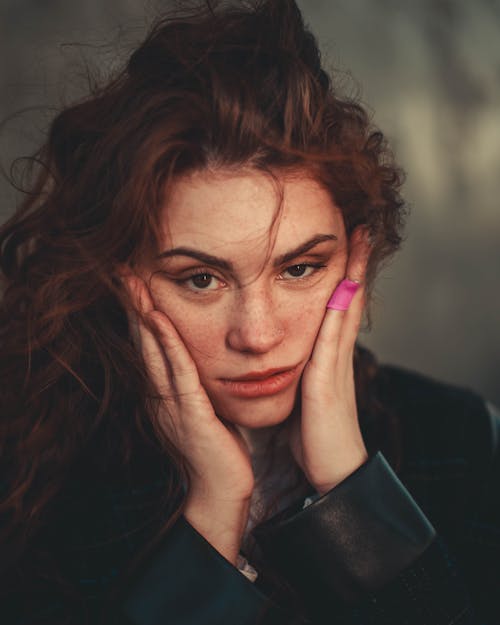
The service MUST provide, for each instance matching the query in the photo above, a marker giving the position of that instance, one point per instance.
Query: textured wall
(430, 71)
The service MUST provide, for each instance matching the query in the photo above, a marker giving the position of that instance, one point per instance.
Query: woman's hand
(218, 460)
(325, 438)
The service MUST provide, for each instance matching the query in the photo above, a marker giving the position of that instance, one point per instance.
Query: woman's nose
(255, 325)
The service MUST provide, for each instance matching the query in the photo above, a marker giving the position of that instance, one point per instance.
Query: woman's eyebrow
(303, 248)
(221, 263)
(207, 259)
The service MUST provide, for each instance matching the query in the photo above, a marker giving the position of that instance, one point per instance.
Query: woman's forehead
(242, 210)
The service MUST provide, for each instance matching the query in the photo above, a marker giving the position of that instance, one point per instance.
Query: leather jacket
(420, 547)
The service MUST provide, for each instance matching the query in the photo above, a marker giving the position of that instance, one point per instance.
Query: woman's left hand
(325, 438)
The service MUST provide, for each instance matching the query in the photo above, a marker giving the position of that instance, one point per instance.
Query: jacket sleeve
(188, 582)
(366, 553)
(184, 581)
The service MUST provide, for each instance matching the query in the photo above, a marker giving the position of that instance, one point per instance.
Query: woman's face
(248, 298)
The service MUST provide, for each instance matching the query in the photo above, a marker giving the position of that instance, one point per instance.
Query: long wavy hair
(225, 85)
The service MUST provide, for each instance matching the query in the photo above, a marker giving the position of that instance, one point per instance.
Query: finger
(356, 270)
(138, 292)
(184, 373)
(157, 328)
(141, 295)
(143, 335)
(155, 361)
(359, 253)
(341, 324)
(132, 306)
(159, 372)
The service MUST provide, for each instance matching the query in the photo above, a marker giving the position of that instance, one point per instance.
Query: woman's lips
(260, 384)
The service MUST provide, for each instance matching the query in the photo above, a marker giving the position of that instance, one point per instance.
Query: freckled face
(248, 304)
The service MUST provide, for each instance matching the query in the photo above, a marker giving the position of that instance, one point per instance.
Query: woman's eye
(299, 271)
(203, 282)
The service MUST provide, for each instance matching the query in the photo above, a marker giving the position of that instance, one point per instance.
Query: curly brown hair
(231, 85)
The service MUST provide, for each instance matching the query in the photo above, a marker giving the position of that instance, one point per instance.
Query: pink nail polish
(343, 294)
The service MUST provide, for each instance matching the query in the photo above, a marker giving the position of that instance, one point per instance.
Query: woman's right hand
(218, 460)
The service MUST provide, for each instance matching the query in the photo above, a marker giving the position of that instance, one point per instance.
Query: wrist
(344, 468)
(221, 523)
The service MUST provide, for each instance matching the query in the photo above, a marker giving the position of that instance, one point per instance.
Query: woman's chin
(256, 413)
(256, 421)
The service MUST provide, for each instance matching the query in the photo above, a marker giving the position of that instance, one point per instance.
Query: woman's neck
(259, 440)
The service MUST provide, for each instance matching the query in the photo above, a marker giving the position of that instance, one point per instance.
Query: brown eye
(297, 271)
(302, 270)
(202, 280)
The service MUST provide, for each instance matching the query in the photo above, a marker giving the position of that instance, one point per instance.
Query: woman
(190, 431)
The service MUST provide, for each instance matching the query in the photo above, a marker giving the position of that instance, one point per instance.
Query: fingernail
(342, 296)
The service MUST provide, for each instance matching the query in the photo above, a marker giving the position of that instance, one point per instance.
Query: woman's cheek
(308, 321)
(311, 313)
(199, 332)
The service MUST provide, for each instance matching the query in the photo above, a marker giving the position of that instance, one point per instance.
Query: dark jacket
(419, 548)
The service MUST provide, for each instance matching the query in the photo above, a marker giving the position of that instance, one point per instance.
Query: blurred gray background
(430, 73)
